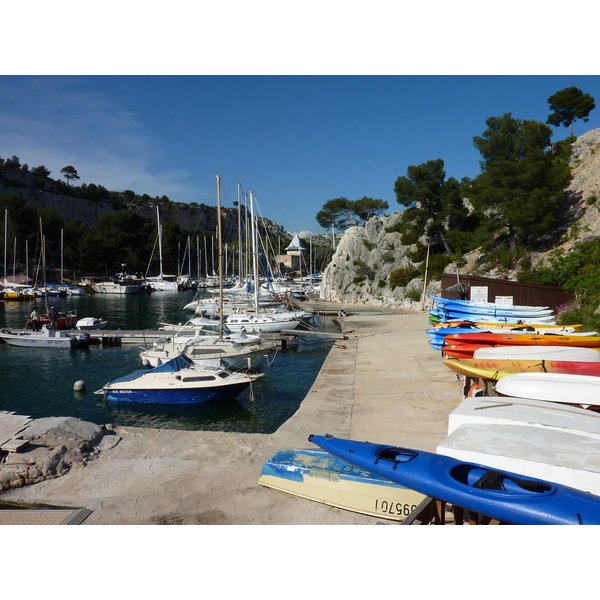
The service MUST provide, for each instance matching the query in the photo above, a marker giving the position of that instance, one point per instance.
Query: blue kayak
(507, 497)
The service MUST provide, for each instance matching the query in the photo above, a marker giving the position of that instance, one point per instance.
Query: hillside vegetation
(384, 262)
(103, 230)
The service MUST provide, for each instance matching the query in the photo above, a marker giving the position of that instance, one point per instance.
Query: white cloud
(46, 121)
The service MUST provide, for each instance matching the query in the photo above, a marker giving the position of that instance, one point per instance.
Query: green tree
(69, 173)
(569, 105)
(13, 163)
(41, 171)
(521, 184)
(434, 205)
(343, 213)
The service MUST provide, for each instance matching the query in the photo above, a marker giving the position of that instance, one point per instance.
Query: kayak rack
(436, 512)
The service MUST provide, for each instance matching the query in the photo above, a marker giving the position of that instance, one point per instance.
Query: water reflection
(39, 382)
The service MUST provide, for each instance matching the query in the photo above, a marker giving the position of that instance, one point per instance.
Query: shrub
(369, 245)
(414, 295)
(401, 277)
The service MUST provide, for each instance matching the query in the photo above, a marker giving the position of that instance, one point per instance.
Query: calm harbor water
(39, 382)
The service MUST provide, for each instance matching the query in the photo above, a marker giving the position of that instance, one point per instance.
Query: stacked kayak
(449, 309)
(464, 345)
(441, 336)
(499, 494)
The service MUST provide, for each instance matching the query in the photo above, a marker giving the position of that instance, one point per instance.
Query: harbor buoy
(79, 386)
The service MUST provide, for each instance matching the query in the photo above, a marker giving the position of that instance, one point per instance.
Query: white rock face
(360, 269)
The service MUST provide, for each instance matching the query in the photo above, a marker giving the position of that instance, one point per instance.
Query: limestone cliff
(46, 193)
(359, 272)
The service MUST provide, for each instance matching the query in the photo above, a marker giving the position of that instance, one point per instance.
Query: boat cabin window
(199, 378)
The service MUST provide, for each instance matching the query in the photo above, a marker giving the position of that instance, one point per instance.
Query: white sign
(479, 293)
(504, 300)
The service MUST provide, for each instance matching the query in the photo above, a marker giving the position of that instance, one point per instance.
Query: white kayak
(564, 353)
(526, 412)
(583, 390)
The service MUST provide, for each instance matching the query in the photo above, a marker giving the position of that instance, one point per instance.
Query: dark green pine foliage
(434, 205)
(522, 182)
(343, 213)
(569, 105)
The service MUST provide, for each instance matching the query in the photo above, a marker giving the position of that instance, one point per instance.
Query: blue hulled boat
(178, 381)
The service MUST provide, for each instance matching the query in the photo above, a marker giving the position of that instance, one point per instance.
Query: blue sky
(299, 116)
(296, 141)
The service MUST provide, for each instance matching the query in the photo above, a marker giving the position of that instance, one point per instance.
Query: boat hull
(526, 412)
(174, 396)
(319, 476)
(503, 495)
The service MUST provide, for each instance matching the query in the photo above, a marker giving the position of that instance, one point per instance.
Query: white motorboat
(204, 350)
(111, 287)
(200, 326)
(91, 323)
(47, 337)
(178, 381)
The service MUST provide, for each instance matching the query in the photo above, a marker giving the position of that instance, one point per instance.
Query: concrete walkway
(383, 384)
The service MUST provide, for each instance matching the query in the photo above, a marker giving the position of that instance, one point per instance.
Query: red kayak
(460, 350)
(524, 339)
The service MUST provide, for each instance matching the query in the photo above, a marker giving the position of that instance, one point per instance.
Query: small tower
(292, 259)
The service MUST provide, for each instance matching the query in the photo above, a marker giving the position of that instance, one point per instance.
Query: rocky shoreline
(55, 446)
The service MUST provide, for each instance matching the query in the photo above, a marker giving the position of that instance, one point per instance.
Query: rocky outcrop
(359, 272)
(56, 445)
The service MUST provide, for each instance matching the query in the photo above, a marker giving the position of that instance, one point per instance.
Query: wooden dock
(145, 337)
(11, 425)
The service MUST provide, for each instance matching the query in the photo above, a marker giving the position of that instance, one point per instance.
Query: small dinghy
(91, 323)
(178, 381)
(319, 476)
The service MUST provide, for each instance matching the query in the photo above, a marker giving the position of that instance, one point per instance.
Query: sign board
(504, 300)
(479, 293)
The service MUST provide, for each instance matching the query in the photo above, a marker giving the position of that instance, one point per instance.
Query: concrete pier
(384, 384)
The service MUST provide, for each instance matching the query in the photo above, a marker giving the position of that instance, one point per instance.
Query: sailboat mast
(239, 187)
(62, 251)
(220, 251)
(254, 253)
(5, 240)
(159, 243)
(44, 267)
